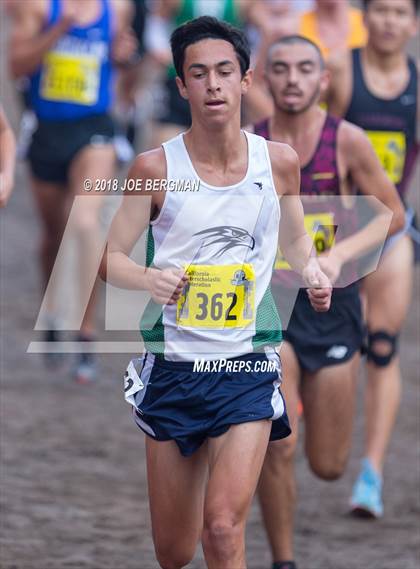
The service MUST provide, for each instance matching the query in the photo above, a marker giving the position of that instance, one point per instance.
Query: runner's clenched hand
(319, 286)
(166, 286)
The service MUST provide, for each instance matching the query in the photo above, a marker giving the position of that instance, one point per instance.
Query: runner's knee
(382, 347)
(173, 556)
(221, 535)
(328, 468)
(282, 451)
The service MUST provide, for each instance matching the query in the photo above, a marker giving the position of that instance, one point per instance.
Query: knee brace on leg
(378, 358)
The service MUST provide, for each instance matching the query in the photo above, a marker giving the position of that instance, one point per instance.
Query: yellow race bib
(390, 147)
(320, 227)
(217, 297)
(70, 78)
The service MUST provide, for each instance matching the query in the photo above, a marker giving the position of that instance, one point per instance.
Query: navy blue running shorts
(172, 401)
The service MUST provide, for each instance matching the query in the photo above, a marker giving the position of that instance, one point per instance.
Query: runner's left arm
(7, 159)
(294, 241)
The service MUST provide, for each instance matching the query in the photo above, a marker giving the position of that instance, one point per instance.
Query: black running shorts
(322, 339)
(55, 144)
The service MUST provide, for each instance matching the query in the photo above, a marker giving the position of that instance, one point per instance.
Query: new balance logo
(337, 352)
(407, 100)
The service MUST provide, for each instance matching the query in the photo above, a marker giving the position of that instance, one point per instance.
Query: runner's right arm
(130, 222)
(28, 42)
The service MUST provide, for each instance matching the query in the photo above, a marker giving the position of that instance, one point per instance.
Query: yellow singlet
(357, 35)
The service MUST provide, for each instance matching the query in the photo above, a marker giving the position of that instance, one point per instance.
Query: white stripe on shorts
(277, 402)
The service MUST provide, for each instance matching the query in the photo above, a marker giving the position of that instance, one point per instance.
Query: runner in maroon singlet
(321, 352)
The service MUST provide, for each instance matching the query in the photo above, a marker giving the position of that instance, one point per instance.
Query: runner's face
(213, 83)
(390, 24)
(295, 77)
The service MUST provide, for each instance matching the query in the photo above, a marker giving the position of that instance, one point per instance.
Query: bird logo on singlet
(225, 237)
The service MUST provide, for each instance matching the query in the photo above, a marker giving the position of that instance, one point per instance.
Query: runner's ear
(246, 81)
(181, 88)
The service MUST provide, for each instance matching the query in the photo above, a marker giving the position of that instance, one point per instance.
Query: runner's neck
(225, 147)
(384, 62)
(296, 127)
(92, 11)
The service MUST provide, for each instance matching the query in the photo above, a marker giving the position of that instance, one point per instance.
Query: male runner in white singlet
(210, 257)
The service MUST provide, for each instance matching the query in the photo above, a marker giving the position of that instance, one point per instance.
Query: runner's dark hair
(203, 28)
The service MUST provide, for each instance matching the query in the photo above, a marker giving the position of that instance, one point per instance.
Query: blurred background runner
(68, 59)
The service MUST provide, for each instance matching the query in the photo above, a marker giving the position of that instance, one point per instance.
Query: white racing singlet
(225, 238)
